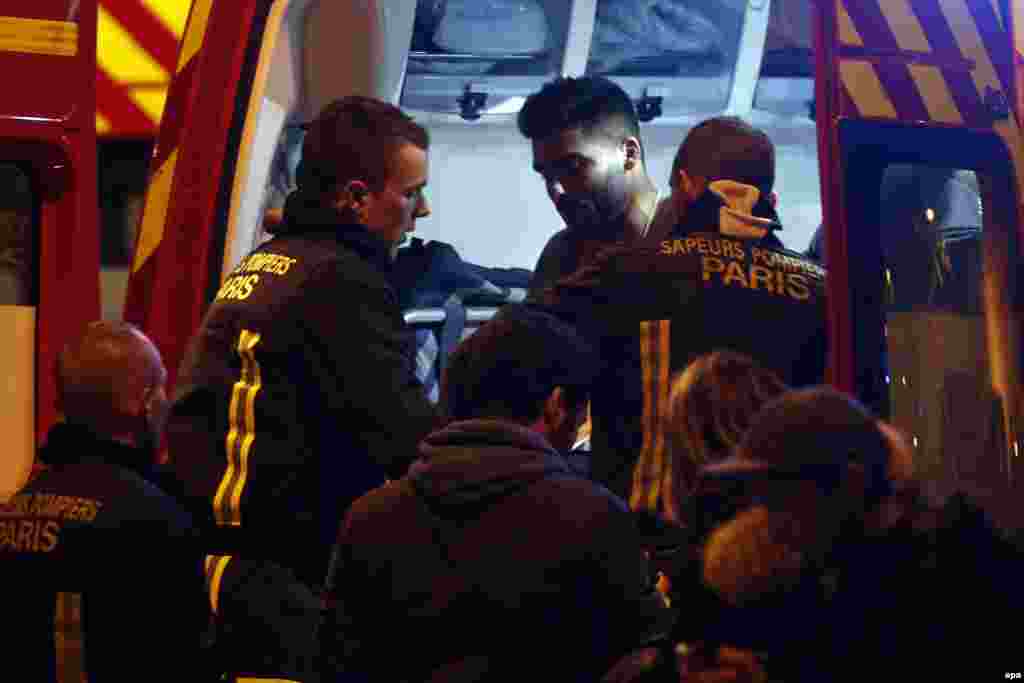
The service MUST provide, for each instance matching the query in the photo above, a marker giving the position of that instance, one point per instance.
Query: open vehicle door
(49, 246)
(920, 150)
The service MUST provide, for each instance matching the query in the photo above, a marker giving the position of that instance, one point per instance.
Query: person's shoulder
(369, 507)
(585, 496)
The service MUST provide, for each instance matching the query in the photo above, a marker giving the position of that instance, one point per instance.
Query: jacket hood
(733, 209)
(744, 213)
(480, 462)
(304, 215)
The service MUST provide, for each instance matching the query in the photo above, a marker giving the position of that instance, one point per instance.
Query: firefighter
(718, 279)
(91, 528)
(297, 394)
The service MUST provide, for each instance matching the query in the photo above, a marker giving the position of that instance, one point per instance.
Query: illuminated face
(585, 179)
(391, 211)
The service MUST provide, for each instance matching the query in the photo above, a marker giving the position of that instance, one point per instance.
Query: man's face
(585, 178)
(391, 211)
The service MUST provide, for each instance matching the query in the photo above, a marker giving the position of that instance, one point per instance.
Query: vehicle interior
(463, 69)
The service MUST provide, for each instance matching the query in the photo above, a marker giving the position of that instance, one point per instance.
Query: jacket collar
(71, 444)
(304, 215)
(732, 209)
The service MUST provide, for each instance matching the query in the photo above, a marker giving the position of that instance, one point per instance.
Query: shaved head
(109, 378)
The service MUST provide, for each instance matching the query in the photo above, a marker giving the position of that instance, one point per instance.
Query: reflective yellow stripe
(241, 433)
(905, 26)
(155, 213)
(121, 55)
(660, 399)
(172, 13)
(848, 34)
(195, 32)
(971, 45)
(654, 366)
(69, 637)
(647, 379)
(936, 94)
(215, 566)
(865, 89)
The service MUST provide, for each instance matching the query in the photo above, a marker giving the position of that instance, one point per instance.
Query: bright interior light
(509, 106)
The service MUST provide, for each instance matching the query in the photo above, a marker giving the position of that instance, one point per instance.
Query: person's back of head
(824, 434)
(111, 380)
(511, 366)
(726, 148)
(711, 404)
(593, 104)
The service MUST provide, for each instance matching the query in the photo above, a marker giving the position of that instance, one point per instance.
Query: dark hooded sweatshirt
(489, 561)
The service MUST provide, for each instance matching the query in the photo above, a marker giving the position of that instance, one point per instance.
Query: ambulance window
(922, 256)
(683, 52)
(17, 237)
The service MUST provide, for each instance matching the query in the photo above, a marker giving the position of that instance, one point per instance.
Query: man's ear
(351, 197)
(773, 198)
(691, 186)
(631, 147)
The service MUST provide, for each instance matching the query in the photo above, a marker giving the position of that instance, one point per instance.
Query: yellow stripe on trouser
(241, 433)
(654, 360)
(215, 566)
(238, 447)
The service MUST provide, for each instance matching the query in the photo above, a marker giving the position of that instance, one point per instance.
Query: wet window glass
(688, 47)
(500, 49)
(499, 37)
(786, 82)
(17, 237)
(936, 361)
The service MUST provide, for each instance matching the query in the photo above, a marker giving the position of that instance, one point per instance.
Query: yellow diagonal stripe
(936, 94)
(150, 100)
(848, 34)
(154, 215)
(172, 13)
(103, 124)
(865, 89)
(122, 57)
(968, 39)
(905, 26)
(195, 32)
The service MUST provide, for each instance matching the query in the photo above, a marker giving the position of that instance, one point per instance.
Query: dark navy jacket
(90, 527)
(302, 370)
(654, 308)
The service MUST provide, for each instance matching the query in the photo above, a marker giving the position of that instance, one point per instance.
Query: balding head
(111, 379)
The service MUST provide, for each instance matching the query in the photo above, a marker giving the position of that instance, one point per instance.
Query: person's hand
(729, 664)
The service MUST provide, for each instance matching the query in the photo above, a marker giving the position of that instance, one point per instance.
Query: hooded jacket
(490, 561)
(90, 528)
(302, 370)
(720, 279)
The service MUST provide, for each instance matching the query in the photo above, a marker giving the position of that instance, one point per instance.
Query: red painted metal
(50, 130)
(167, 296)
(827, 94)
